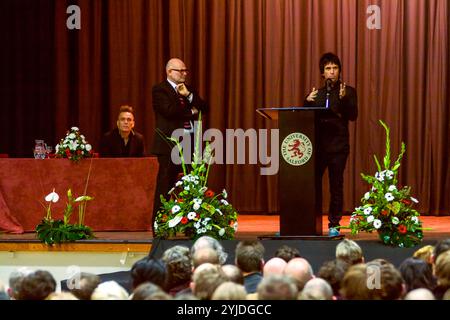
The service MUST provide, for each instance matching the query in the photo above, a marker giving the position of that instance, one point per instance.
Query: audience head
(440, 247)
(179, 267)
(277, 287)
(442, 269)
(250, 256)
(333, 272)
(151, 270)
(209, 242)
(14, 281)
(204, 255)
(149, 291)
(274, 266)
(233, 273)
(300, 270)
(64, 295)
(206, 278)
(287, 253)
(85, 285)
(425, 253)
(349, 251)
(36, 285)
(317, 289)
(417, 274)
(230, 291)
(109, 290)
(420, 294)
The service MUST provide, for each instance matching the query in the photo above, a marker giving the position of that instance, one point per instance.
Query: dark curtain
(243, 55)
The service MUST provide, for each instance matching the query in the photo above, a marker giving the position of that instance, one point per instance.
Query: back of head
(206, 278)
(109, 290)
(209, 242)
(151, 270)
(300, 270)
(417, 274)
(389, 285)
(64, 295)
(442, 269)
(179, 266)
(328, 58)
(349, 251)
(441, 247)
(354, 284)
(420, 294)
(36, 286)
(204, 255)
(86, 284)
(274, 266)
(333, 272)
(145, 291)
(287, 253)
(233, 273)
(229, 291)
(277, 287)
(425, 253)
(14, 280)
(249, 256)
(317, 289)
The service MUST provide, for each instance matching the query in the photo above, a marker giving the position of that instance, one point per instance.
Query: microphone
(327, 100)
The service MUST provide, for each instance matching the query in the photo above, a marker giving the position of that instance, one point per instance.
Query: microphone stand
(327, 99)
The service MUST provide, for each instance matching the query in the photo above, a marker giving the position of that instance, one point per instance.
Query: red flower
(78, 152)
(406, 201)
(402, 229)
(164, 218)
(184, 220)
(384, 212)
(180, 200)
(209, 193)
(67, 152)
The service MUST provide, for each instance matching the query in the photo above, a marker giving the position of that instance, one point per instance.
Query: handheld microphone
(327, 100)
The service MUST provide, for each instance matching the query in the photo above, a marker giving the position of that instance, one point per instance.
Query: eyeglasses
(181, 70)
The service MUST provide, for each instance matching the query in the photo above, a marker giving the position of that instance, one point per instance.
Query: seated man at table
(123, 141)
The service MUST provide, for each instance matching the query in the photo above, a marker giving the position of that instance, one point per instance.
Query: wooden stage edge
(250, 227)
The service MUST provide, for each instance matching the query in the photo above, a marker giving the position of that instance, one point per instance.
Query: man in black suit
(123, 141)
(332, 143)
(176, 105)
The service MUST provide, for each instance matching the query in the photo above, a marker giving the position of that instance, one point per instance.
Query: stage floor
(250, 227)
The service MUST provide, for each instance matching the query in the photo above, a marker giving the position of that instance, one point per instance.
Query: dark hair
(150, 270)
(126, 108)
(417, 274)
(328, 58)
(440, 247)
(287, 253)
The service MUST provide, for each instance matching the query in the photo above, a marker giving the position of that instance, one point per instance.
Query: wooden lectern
(299, 192)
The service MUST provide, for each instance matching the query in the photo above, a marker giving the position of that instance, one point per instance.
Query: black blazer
(332, 124)
(112, 146)
(170, 115)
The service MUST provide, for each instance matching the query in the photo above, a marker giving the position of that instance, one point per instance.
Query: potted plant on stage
(191, 208)
(51, 231)
(387, 208)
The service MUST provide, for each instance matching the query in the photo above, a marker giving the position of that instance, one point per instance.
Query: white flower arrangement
(73, 146)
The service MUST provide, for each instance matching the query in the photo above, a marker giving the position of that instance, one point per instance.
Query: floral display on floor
(74, 146)
(192, 209)
(386, 207)
(51, 231)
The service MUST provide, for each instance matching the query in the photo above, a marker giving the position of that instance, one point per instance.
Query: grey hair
(209, 242)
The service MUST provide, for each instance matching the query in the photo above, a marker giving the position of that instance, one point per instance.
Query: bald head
(420, 294)
(300, 270)
(274, 266)
(176, 70)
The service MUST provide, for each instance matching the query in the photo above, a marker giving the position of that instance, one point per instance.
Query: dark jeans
(335, 162)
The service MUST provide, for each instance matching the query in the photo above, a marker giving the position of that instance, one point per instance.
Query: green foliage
(191, 208)
(387, 209)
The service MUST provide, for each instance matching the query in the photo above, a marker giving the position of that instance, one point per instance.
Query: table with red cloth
(123, 191)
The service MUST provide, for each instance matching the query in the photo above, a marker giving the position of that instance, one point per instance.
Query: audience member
(14, 281)
(204, 255)
(86, 284)
(229, 291)
(274, 266)
(300, 270)
(249, 257)
(420, 294)
(179, 269)
(233, 273)
(286, 253)
(206, 278)
(209, 242)
(442, 272)
(333, 272)
(425, 253)
(151, 270)
(349, 251)
(277, 287)
(317, 289)
(109, 290)
(36, 286)
(417, 274)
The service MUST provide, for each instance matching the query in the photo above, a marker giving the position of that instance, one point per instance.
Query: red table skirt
(123, 191)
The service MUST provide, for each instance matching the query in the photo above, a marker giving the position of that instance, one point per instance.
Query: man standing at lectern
(332, 137)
